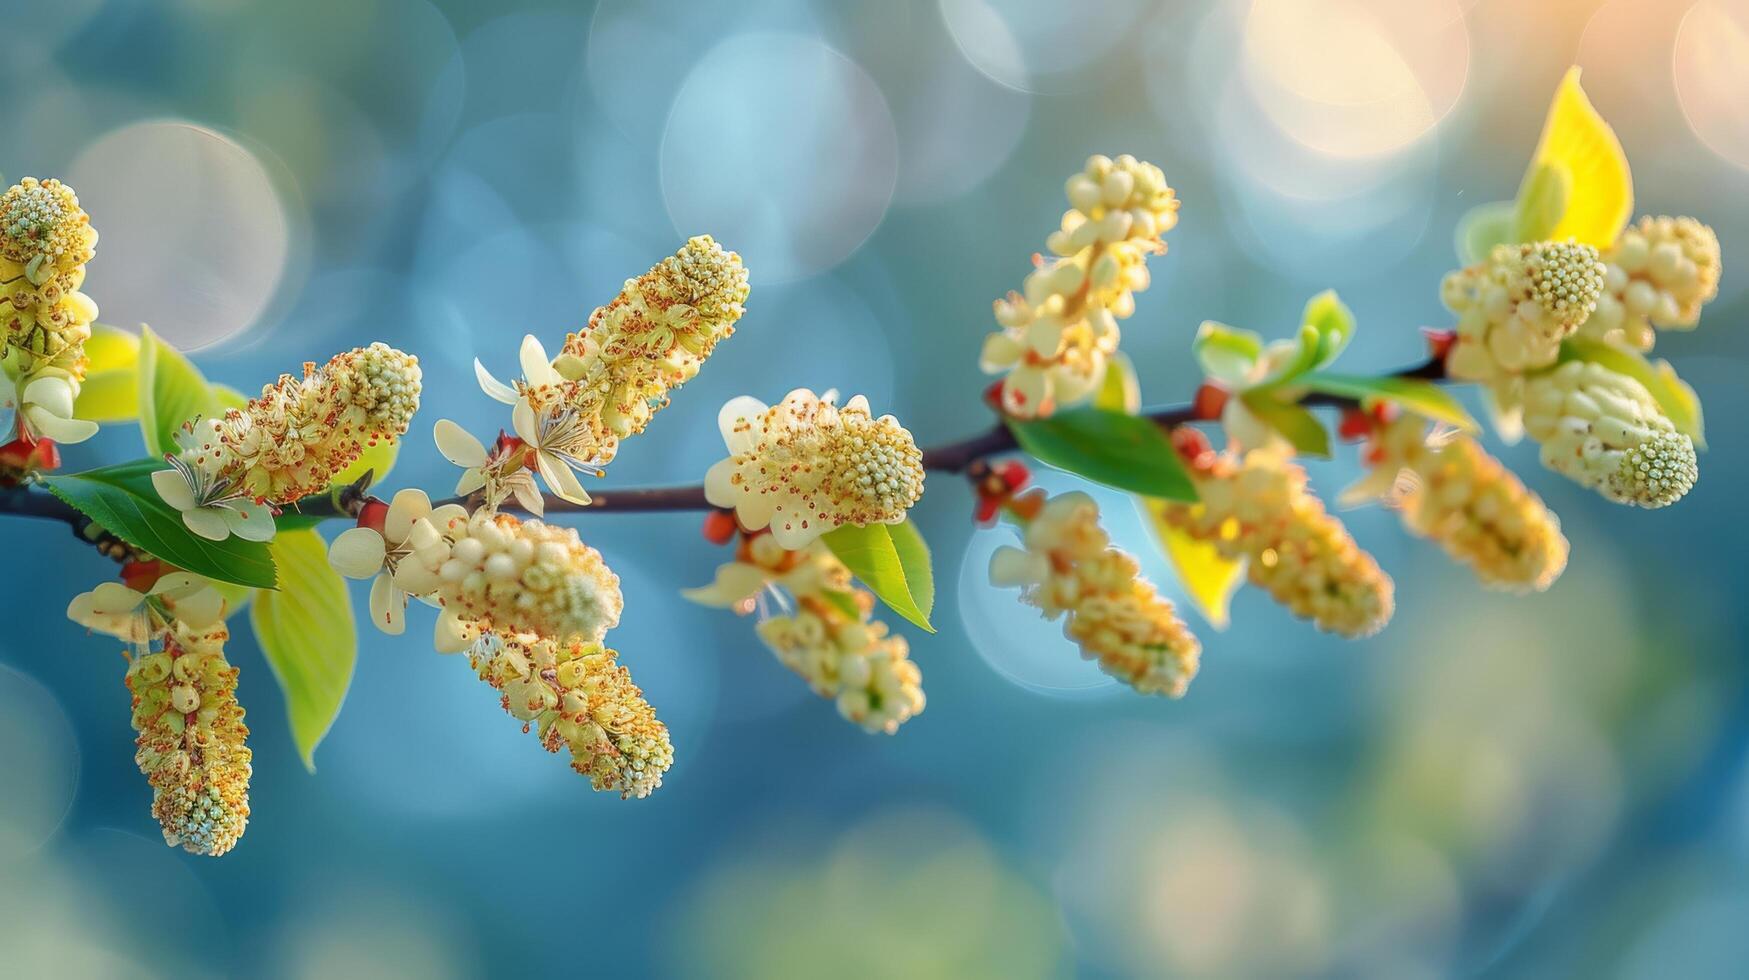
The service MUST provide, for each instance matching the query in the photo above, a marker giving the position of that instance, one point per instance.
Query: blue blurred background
(1555, 785)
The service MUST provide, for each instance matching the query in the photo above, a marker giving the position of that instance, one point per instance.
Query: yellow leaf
(109, 396)
(1578, 185)
(111, 349)
(1120, 391)
(1208, 579)
(228, 396)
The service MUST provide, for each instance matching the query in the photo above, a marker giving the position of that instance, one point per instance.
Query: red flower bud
(142, 575)
(1439, 342)
(719, 527)
(374, 515)
(1355, 424)
(1210, 401)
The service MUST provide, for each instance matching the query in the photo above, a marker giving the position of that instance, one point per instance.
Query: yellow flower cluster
(579, 698)
(1473, 506)
(832, 641)
(1057, 334)
(806, 466)
(303, 431)
(1605, 431)
(1067, 565)
(1516, 308)
(191, 742)
(1257, 508)
(1658, 275)
(496, 573)
(46, 239)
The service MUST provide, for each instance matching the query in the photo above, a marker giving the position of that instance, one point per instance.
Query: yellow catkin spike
(46, 239)
(580, 699)
(1057, 334)
(303, 431)
(649, 340)
(1604, 430)
(517, 576)
(1658, 275)
(1515, 308)
(1066, 565)
(191, 739)
(1256, 507)
(1474, 507)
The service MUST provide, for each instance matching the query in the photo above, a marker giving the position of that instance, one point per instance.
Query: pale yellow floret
(514, 576)
(1067, 565)
(1515, 308)
(1659, 274)
(1472, 506)
(580, 699)
(1057, 334)
(1604, 430)
(1257, 508)
(191, 739)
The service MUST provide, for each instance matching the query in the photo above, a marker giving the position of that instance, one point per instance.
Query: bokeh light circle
(742, 154)
(194, 238)
(1711, 67)
(1041, 45)
(39, 753)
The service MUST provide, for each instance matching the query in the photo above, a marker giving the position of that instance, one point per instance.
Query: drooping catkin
(1256, 507)
(191, 739)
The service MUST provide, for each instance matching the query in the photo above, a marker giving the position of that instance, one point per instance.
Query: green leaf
(1119, 391)
(1483, 227)
(306, 632)
(1678, 401)
(1293, 422)
(1422, 397)
(228, 397)
(893, 561)
(1333, 321)
(379, 459)
(121, 500)
(110, 392)
(1226, 353)
(1542, 201)
(1208, 578)
(172, 391)
(1123, 451)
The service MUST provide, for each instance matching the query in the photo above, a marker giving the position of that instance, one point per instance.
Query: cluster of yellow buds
(1257, 508)
(1067, 565)
(1058, 333)
(806, 466)
(579, 698)
(830, 637)
(303, 431)
(1448, 488)
(46, 239)
(1516, 308)
(493, 572)
(1659, 273)
(191, 742)
(1604, 430)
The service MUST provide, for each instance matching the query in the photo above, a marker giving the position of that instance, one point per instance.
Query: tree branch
(953, 457)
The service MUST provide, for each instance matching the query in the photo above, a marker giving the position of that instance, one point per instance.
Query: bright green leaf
(228, 397)
(172, 391)
(893, 561)
(1208, 578)
(1226, 353)
(1307, 347)
(121, 500)
(1422, 397)
(1120, 391)
(1127, 452)
(379, 459)
(1678, 401)
(1292, 422)
(307, 634)
(111, 349)
(1483, 227)
(109, 396)
(1334, 322)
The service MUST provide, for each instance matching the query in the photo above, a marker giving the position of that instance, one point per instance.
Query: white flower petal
(472, 479)
(52, 394)
(414, 578)
(114, 599)
(250, 521)
(537, 369)
(522, 420)
(176, 585)
(494, 389)
(443, 516)
(208, 522)
(735, 582)
(62, 430)
(458, 445)
(560, 479)
(717, 486)
(173, 489)
(357, 552)
(858, 403)
(200, 610)
(528, 495)
(452, 633)
(795, 537)
(388, 606)
(732, 412)
(405, 507)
